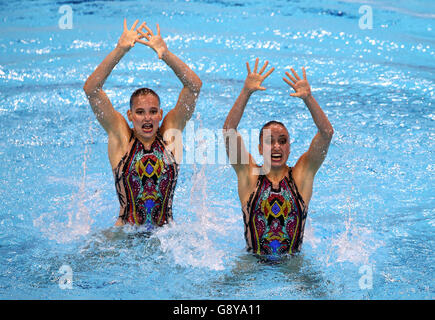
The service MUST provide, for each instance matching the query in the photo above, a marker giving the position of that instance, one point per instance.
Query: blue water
(370, 228)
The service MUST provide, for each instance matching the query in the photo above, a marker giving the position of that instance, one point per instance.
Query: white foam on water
(188, 242)
(355, 244)
(79, 219)
(309, 234)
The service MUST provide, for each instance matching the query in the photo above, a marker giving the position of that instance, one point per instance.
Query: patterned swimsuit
(145, 181)
(275, 218)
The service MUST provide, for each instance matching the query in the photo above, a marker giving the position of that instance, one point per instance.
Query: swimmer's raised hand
(155, 42)
(253, 80)
(129, 36)
(301, 86)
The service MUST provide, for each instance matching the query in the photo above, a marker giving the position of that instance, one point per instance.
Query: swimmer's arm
(316, 154)
(108, 117)
(183, 110)
(234, 145)
(235, 115)
(240, 158)
(319, 146)
(98, 99)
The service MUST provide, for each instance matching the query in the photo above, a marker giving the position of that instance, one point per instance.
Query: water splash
(355, 245)
(79, 220)
(187, 241)
(309, 234)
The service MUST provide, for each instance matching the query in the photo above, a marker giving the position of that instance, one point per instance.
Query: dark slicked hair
(143, 92)
(268, 125)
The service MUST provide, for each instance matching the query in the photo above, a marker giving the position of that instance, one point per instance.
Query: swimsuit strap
(293, 185)
(254, 193)
(302, 206)
(246, 210)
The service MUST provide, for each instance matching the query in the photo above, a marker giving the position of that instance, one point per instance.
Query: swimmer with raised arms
(144, 158)
(275, 197)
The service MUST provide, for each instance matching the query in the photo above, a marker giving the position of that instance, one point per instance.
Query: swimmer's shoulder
(248, 182)
(119, 142)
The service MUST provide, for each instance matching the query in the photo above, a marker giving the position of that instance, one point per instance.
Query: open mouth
(147, 127)
(276, 156)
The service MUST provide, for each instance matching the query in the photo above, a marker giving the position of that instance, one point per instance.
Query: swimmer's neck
(275, 175)
(147, 142)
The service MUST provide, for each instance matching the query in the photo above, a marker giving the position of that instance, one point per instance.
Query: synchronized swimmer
(274, 197)
(144, 168)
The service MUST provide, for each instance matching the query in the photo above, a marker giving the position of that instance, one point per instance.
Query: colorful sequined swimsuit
(145, 181)
(275, 218)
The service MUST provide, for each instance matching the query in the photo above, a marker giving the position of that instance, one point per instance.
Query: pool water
(370, 227)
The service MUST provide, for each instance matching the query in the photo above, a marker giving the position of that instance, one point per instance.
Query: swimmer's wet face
(275, 144)
(145, 114)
